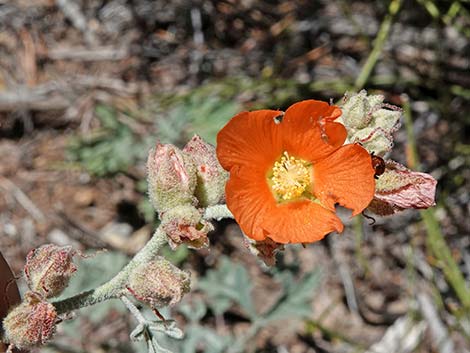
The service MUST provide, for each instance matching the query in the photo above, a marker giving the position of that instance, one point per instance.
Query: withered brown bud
(399, 188)
(185, 224)
(159, 283)
(211, 177)
(48, 269)
(265, 250)
(171, 177)
(31, 323)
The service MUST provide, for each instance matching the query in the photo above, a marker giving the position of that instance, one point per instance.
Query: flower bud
(48, 269)
(185, 224)
(171, 177)
(374, 140)
(370, 121)
(399, 188)
(356, 109)
(159, 283)
(211, 177)
(31, 323)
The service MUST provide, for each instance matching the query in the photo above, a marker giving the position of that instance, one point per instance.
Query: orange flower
(288, 171)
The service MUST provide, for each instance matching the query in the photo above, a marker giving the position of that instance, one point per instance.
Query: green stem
(379, 42)
(439, 248)
(116, 286)
(411, 149)
(436, 242)
(359, 232)
(456, 8)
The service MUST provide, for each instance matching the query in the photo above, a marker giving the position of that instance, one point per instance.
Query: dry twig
(22, 199)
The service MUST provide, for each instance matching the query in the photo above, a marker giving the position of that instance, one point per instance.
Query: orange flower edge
(289, 170)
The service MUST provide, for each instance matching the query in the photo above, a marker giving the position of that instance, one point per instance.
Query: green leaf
(194, 312)
(207, 340)
(228, 284)
(296, 301)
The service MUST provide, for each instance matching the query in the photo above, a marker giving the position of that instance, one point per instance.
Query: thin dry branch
(85, 54)
(22, 199)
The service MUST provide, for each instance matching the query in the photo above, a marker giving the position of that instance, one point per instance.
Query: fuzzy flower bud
(48, 269)
(171, 177)
(31, 323)
(185, 224)
(370, 121)
(211, 177)
(159, 283)
(399, 188)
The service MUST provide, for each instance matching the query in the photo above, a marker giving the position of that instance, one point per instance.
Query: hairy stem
(133, 310)
(116, 287)
(217, 212)
(113, 288)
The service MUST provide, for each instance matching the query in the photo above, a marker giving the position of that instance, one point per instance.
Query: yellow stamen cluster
(290, 177)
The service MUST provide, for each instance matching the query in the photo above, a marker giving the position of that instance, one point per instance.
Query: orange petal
(309, 131)
(249, 199)
(345, 177)
(300, 222)
(259, 216)
(250, 139)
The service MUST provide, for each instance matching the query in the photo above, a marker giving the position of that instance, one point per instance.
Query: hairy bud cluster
(48, 269)
(399, 188)
(159, 283)
(181, 184)
(30, 323)
(370, 121)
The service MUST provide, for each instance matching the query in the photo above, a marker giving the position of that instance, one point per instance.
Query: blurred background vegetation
(88, 86)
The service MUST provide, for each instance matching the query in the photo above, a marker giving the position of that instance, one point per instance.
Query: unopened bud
(370, 121)
(185, 224)
(356, 109)
(159, 283)
(399, 188)
(171, 177)
(31, 323)
(48, 269)
(211, 177)
(374, 140)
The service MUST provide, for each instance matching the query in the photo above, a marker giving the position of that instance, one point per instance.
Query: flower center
(290, 177)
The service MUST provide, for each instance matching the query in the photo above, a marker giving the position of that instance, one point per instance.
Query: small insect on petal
(378, 164)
